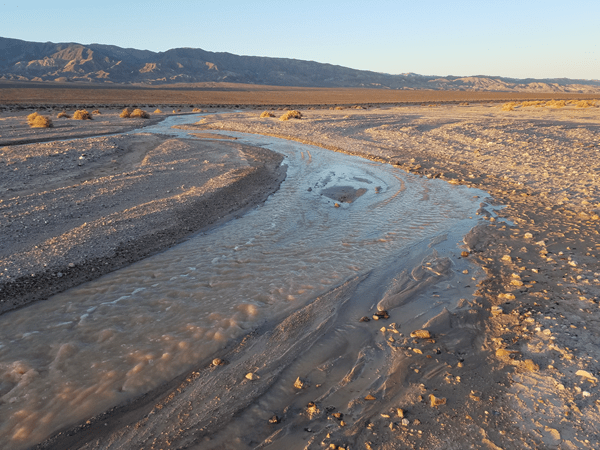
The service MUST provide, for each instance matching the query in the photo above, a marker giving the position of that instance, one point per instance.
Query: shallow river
(112, 339)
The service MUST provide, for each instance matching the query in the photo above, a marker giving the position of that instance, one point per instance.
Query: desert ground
(515, 366)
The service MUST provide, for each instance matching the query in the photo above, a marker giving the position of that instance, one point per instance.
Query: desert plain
(515, 365)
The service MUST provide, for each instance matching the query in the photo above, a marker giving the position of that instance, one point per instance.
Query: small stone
(375, 317)
(218, 362)
(400, 412)
(586, 374)
(337, 205)
(416, 350)
(405, 422)
(274, 420)
(252, 376)
(299, 383)
(342, 423)
(364, 319)
(497, 310)
(338, 415)
(312, 410)
(475, 395)
(383, 314)
(421, 334)
(506, 258)
(435, 401)
(370, 397)
(528, 235)
(464, 254)
(71, 265)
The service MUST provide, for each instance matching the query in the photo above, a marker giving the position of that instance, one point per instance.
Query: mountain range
(98, 63)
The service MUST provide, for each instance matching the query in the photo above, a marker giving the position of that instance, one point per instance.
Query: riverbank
(77, 209)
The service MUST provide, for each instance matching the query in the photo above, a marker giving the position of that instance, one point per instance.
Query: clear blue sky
(527, 38)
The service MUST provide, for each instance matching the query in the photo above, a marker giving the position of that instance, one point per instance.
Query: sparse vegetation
(198, 110)
(338, 108)
(266, 114)
(585, 104)
(126, 113)
(82, 114)
(556, 104)
(96, 112)
(139, 114)
(63, 114)
(510, 106)
(292, 114)
(157, 111)
(35, 120)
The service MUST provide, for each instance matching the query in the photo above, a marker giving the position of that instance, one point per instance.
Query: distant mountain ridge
(98, 63)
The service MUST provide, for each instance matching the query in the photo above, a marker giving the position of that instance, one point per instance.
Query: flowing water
(112, 339)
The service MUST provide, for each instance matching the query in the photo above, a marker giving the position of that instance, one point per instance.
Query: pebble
(365, 319)
(274, 420)
(497, 310)
(405, 422)
(464, 254)
(252, 376)
(299, 383)
(218, 362)
(436, 401)
(421, 334)
(370, 397)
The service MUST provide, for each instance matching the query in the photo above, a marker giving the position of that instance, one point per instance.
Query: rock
(497, 310)
(337, 205)
(400, 412)
(435, 401)
(464, 254)
(370, 397)
(71, 265)
(506, 296)
(420, 334)
(530, 366)
(338, 415)
(475, 395)
(405, 422)
(312, 409)
(274, 420)
(383, 314)
(252, 376)
(528, 236)
(365, 319)
(300, 383)
(586, 374)
(506, 258)
(218, 362)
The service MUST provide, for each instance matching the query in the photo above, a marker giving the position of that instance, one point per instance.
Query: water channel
(117, 337)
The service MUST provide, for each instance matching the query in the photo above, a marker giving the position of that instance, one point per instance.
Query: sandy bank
(75, 210)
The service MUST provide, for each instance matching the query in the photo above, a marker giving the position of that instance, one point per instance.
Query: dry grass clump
(140, 114)
(63, 114)
(510, 106)
(292, 114)
(37, 121)
(585, 104)
(126, 113)
(96, 112)
(157, 111)
(556, 104)
(82, 114)
(267, 114)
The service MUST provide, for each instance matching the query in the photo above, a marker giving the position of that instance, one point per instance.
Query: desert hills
(107, 64)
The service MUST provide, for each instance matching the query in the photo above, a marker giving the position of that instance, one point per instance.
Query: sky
(518, 39)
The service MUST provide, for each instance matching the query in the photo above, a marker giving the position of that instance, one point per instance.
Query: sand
(515, 366)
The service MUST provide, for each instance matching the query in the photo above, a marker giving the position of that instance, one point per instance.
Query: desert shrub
(139, 113)
(198, 110)
(96, 112)
(339, 108)
(63, 114)
(510, 106)
(556, 104)
(82, 114)
(31, 117)
(39, 121)
(585, 104)
(126, 113)
(157, 111)
(266, 114)
(292, 114)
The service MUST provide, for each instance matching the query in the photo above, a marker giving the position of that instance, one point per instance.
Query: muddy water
(335, 217)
